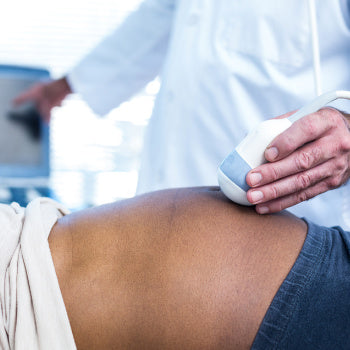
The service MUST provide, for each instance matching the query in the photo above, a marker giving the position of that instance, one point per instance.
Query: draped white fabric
(33, 315)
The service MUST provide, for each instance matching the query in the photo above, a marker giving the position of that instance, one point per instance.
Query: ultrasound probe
(250, 151)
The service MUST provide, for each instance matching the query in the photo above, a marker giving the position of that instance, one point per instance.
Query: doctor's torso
(231, 64)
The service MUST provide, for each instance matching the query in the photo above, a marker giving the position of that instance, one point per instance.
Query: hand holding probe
(249, 153)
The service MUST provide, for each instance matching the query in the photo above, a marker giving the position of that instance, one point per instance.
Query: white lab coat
(226, 65)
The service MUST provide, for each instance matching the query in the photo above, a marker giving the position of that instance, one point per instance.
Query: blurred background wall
(94, 160)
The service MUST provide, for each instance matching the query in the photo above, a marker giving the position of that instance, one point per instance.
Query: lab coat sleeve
(127, 59)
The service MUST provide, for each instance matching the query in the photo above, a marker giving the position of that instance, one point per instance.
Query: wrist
(63, 87)
(347, 119)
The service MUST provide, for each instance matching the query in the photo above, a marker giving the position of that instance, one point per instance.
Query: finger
(295, 183)
(305, 130)
(277, 205)
(28, 95)
(306, 157)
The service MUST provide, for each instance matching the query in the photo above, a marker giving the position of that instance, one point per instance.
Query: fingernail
(271, 153)
(255, 178)
(256, 196)
(263, 210)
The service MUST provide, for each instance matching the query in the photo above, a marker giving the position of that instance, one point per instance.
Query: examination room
(174, 174)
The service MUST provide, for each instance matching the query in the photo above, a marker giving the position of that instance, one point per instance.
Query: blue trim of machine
(24, 72)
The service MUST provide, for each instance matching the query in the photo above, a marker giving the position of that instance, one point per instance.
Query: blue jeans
(311, 310)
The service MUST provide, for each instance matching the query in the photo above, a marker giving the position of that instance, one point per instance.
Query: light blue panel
(236, 169)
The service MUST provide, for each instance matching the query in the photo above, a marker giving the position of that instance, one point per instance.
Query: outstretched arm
(127, 59)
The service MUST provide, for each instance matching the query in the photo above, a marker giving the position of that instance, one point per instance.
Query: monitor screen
(24, 137)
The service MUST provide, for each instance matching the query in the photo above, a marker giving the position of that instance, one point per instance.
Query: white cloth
(226, 66)
(33, 315)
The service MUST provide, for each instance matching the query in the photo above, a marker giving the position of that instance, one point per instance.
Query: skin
(309, 158)
(174, 269)
(46, 96)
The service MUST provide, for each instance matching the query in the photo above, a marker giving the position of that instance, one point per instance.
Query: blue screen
(24, 137)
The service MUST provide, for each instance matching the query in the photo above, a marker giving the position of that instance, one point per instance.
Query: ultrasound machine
(24, 139)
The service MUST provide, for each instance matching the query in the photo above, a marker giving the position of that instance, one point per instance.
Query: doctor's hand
(45, 96)
(311, 157)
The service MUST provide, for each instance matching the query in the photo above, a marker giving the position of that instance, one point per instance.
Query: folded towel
(33, 315)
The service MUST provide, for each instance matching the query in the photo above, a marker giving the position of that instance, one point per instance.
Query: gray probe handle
(318, 103)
